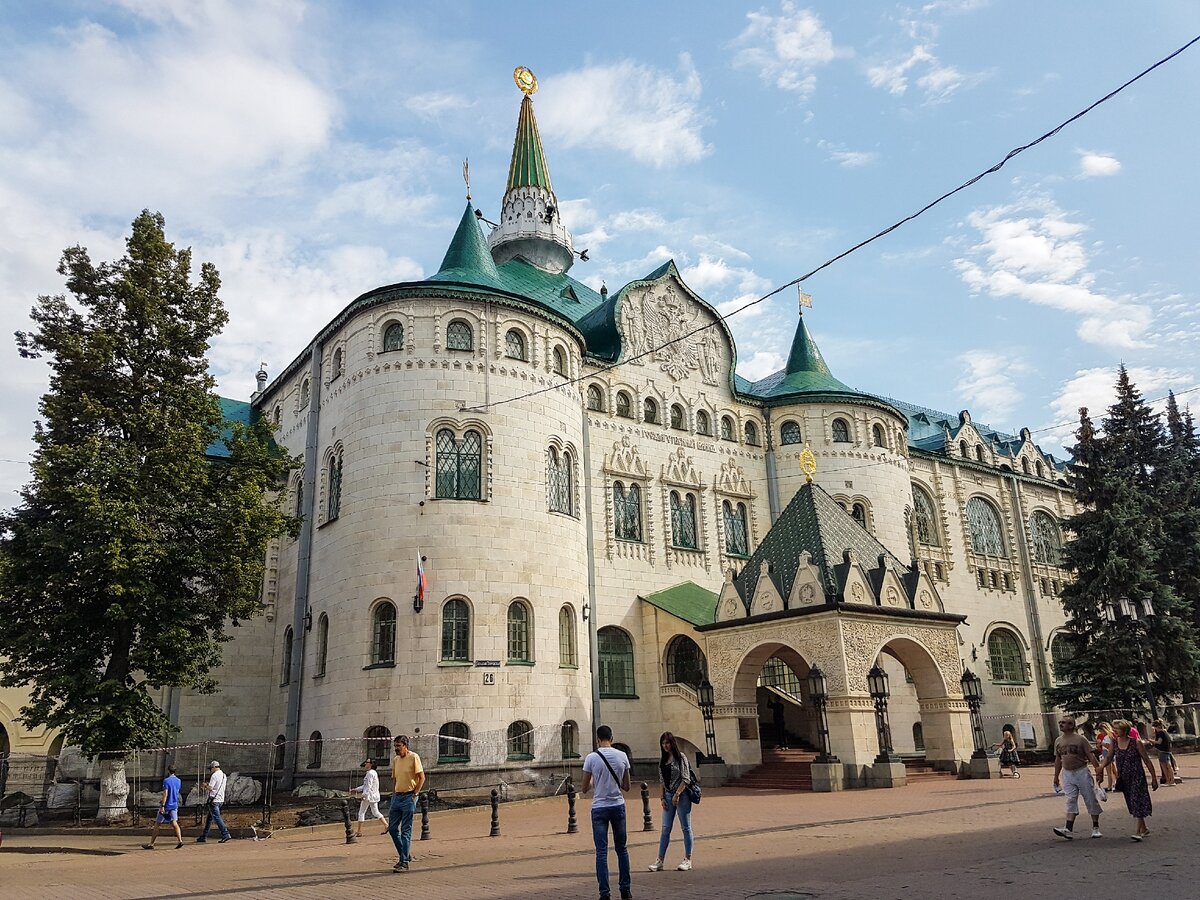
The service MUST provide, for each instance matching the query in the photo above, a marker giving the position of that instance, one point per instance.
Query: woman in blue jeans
(675, 774)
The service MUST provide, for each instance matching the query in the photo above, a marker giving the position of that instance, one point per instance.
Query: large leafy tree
(132, 551)
(1116, 551)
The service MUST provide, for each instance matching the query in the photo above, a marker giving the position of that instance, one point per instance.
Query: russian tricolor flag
(421, 584)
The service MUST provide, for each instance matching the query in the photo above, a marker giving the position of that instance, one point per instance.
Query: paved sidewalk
(970, 839)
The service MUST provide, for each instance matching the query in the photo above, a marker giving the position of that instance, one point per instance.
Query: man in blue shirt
(168, 809)
(608, 769)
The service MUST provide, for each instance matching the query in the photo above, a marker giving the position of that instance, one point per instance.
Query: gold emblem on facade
(525, 80)
(808, 462)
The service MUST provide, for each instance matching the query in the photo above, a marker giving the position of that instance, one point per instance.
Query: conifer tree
(1179, 494)
(131, 551)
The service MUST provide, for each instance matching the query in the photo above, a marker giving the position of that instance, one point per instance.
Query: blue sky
(314, 152)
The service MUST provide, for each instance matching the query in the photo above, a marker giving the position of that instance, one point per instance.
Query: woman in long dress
(1130, 757)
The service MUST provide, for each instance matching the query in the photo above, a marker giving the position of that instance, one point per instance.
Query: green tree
(1179, 495)
(131, 551)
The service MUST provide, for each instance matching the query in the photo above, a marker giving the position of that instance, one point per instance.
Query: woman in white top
(370, 796)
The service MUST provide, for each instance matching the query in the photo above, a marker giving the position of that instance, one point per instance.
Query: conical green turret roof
(468, 257)
(528, 167)
(806, 371)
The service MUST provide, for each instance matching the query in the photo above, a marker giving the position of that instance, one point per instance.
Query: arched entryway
(774, 677)
(923, 716)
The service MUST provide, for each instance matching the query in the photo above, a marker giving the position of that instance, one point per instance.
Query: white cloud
(429, 106)
(786, 49)
(1097, 165)
(893, 76)
(989, 384)
(760, 365)
(848, 159)
(716, 280)
(1096, 389)
(1032, 251)
(936, 80)
(630, 108)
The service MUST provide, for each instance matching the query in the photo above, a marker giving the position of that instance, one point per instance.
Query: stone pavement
(944, 839)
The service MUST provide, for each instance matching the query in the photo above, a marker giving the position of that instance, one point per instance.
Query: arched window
(315, 745)
(559, 493)
(456, 631)
(520, 741)
(1046, 541)
(454, 743)
(751, 434)
(627, 512)
(337, 364)
(615, 654)
(703, 424)
(377, 744)
(514, 345)
(300, 496)
(322, 645)
(1062, 651)
(459, 465)
(877, 435)
(1038, 468)
(1005, 658)
(736, 528)
(987, 538)
(518, 632)
(277, 414)
(624, 405)
(568, 654)
(918, 732)
(727, 433)
(570, 740)
(685, 662)
(650, 410)
(559, 362)
(1024, 466)
(280, 752)
(841, 431)
(923, 509)
(683, 521)
(459, 336)
(859, 513)
(677, 417)
(305, 391)
(595, 398)
(288, 642)
(393, 337)
(979, 455)
(789, 433)
(383, 634)
(334, 508)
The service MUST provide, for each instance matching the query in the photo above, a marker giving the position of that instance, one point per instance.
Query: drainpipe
(593, 649)
(1031, 610)
(772, 468)
(303, 568)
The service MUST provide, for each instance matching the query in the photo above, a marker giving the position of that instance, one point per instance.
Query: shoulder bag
(611, 770)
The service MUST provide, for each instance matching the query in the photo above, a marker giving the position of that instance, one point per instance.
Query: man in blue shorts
(168, 809)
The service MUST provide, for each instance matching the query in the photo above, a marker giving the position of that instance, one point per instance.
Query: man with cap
(370, 795)
(216, 797)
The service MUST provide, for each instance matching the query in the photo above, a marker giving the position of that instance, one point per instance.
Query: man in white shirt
(216, 797)
(608, 769)
(370, 796)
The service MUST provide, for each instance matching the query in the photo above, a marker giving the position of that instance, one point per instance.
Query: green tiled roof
(687, 601)
(468, 257)
(231, 411)
(805, 373)
(528, 167)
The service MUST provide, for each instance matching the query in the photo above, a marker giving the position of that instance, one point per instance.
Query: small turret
(260, 379)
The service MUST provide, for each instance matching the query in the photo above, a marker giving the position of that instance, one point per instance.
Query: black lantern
(819, 694)
(877, 684)
(972, 689)
(1136, 617)
(706, 700)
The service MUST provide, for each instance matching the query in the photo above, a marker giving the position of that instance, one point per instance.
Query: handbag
(693, 788)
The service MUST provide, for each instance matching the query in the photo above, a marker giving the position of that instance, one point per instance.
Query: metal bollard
(350, 839)
(424, 816)
(572, 825)
(495, 832)
(647, 825)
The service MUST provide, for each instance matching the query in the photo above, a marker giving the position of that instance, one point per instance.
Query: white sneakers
(657, 866)
(1064, 833)
(1096, 833)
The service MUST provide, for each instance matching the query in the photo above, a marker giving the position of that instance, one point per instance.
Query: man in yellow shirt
(408, 776)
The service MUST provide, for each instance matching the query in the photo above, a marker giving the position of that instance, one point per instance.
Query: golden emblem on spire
(525, 80)
(808, 462)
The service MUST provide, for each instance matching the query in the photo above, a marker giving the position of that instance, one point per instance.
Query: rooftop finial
(805, 299)
(467, 177)
(525, 80)
(808, 462)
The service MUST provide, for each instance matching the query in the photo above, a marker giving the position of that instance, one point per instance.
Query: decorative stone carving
(926, 600)
(625, 460)
(660, 316)
(732, 480)
(891, 597)
(815, 640)
(857, 593)
(681, 469)
(863, 640)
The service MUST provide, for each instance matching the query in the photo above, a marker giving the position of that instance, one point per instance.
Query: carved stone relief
(816, 641)
(660, 316)
(863, 641)
(625, 460)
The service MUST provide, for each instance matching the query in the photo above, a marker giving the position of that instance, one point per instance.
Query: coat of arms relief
(661, 320)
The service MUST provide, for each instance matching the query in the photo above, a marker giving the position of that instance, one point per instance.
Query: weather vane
(525, 80)
(805, 299)
(808, 462)
(467, 176)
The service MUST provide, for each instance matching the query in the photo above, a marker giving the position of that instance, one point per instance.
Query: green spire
(528, 167)
(468, 256)
(805, 356)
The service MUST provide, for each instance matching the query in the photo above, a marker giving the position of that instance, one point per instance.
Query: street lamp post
(819, 692)
(1138, 616)
(877, 683)
(972, 689)
(704, 696)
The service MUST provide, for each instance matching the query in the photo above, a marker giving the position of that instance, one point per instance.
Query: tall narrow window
(337, 364)
(877, 435)
(377, 744)
(789, 433)
(570, 740)
(1024, 466)
(393, 337)
(456, 631)
(727, 429)
(514, 345)
(300, 496)
(459, 336)
(1047, 543)
(751, 434)
(677, 417)
(322, 645)
(703, 423)
(979, 455)
(568, 654)
(683, 521)
(520, 741)
(518, 632)
(624, 405)
(315, 746)
(987, 538)
(1005, 657)
(595, 398)
(383, 634)
(1062, 651)
(736, 543)
(285, 676)
(305, 390)
(559, 362)
(459, 465)
(627, 512)
(615, 656)
(335, 487)
(650, 410)
(859, 513)
(962, 450)
(558, 481)
(454, 743)
(841, 431)
(923, 509)
(1038, 468)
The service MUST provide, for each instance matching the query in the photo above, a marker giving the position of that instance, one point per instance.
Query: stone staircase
(917, 769)
(781, 770)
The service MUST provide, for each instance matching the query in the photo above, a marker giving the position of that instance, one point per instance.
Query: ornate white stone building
(608, 514)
